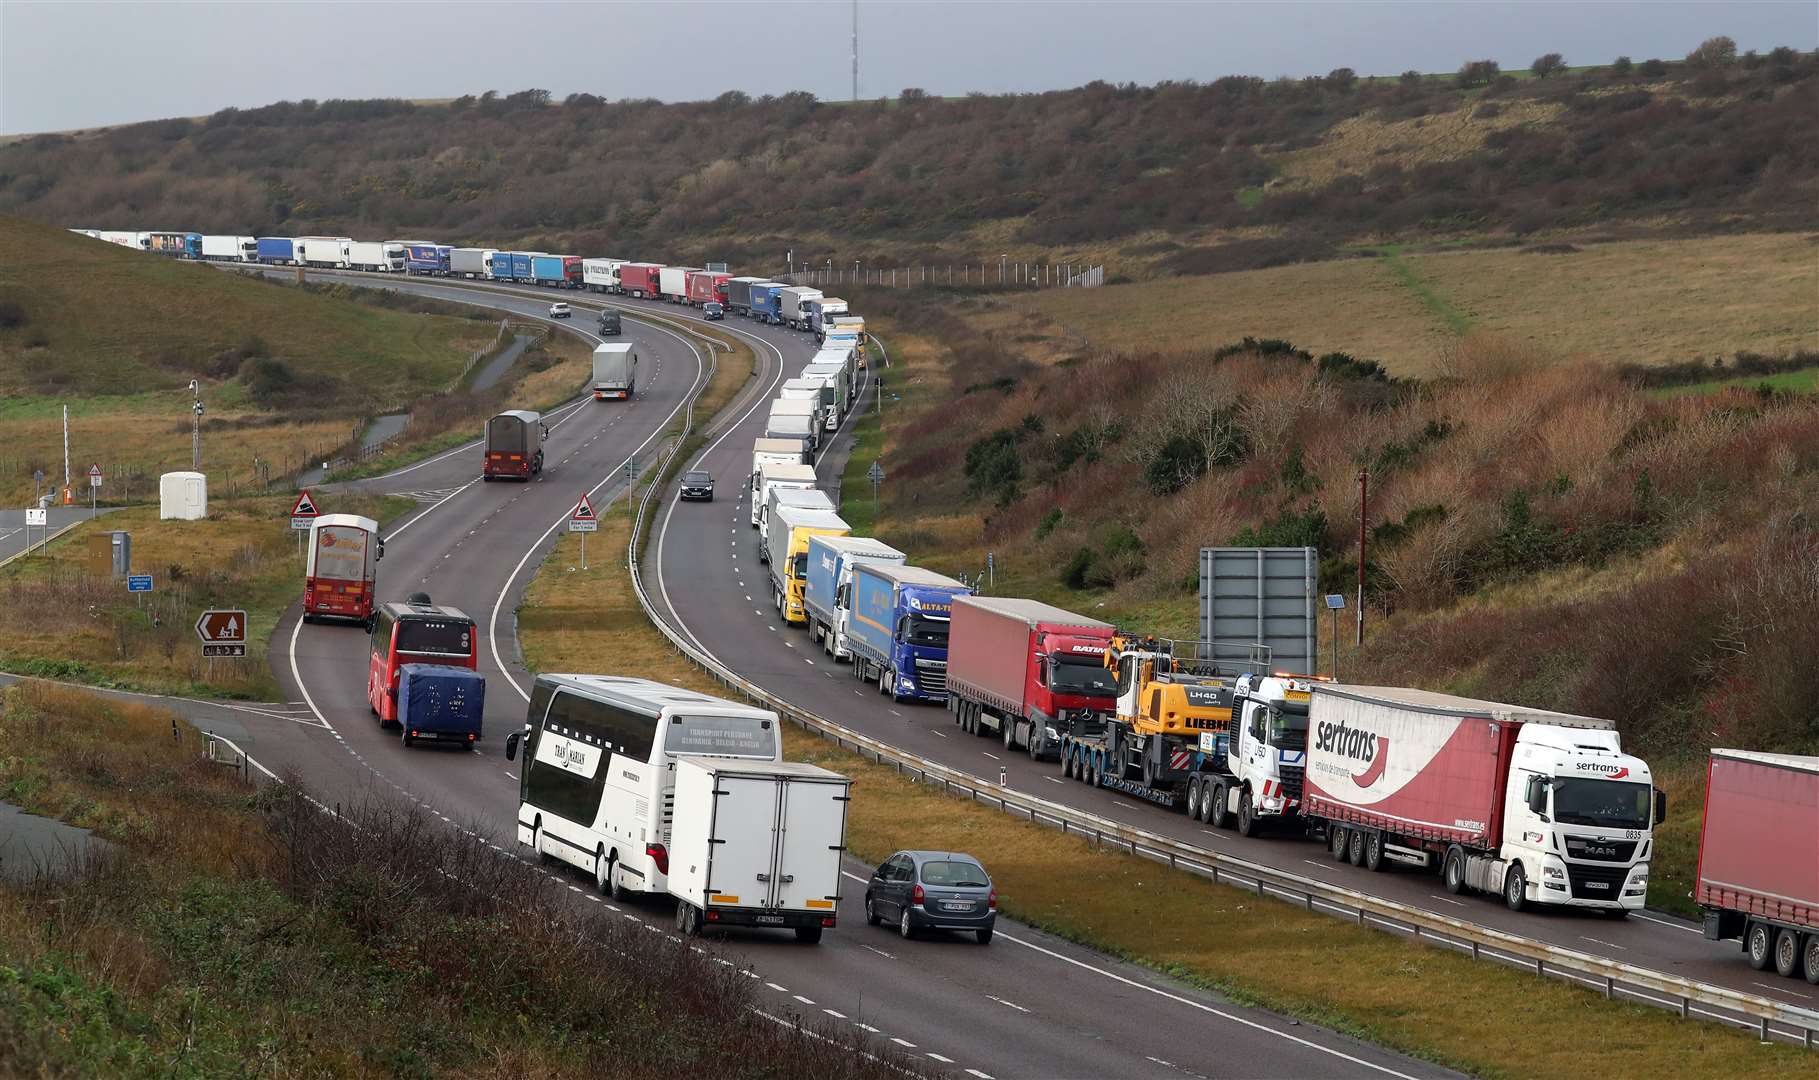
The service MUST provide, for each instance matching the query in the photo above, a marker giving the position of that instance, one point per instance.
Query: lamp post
(1364, 495)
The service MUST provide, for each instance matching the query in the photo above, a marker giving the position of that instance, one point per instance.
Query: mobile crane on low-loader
(1170, 695)
(1540, 807)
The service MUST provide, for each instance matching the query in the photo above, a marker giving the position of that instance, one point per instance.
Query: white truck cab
(1577, 818)
(1267, 748)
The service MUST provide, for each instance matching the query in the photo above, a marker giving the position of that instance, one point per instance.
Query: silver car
(932, 890)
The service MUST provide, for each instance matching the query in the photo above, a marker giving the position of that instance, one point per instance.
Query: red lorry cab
(1026, 670)
(705, 286)
(343, 562)
(571, 270)
(414, 632)
(639, 278)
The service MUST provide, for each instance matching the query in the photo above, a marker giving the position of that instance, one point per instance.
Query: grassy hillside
(1542, 532)
(116, 336)
(1635, 302)
(1180, 177)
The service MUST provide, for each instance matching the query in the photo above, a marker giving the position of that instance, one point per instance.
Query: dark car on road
(698, 485)
(713, 310)
(609, 322)
(932, 890)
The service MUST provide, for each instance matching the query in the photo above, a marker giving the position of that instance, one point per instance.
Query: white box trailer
(836, 391)
(369, 255)
(470, 262)
(768, 452)
(806, 388)
(672, 283)
(782, 469)
(329, 251)
(601, 275)
(791, 495)
(230, 248)
(615, 370)
(792, 306)
(808, 410)
(757, 844)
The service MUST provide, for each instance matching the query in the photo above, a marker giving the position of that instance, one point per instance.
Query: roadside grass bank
(116, 336)
(549, 373)
(231, 932)
(1417, 999)
(60, 619)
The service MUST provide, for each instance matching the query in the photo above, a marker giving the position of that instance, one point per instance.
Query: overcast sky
(68, 64)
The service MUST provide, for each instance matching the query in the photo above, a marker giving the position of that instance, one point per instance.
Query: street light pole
(1364, 495)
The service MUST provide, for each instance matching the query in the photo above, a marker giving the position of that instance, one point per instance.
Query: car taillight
(916, 895)
(992, 900)
(658, 854)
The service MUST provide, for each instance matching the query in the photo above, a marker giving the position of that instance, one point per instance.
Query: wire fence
(999, 274)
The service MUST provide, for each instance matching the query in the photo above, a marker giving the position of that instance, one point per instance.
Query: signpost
(223, 633)
(39, 516)
(304, 512)
(1335, 603)
(991, 571)
(139, 585)
(582, 520)
(94, 488)
(876, 475)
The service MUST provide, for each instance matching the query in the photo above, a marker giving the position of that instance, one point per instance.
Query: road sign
(875, 474)
(223, 633)
(582, 518)
(39, 516)
(138, 583)
(94, 476)
(304, 512)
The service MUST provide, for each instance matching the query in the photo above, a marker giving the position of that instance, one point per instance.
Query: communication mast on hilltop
(855, 50)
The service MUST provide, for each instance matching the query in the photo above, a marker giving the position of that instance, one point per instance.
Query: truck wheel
(1787, 954)
(1354, 846)
(1373, 851)
(808, 935)
(1452, 871)
(1193, 798)
(1247, 817)
(1759, 942)
(1338, 836)
(688, 920)
(1010, 732)
(1217, 814)
(1812, 959)
(1515, 887)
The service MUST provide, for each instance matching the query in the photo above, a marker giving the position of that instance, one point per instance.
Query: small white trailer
(757, 843)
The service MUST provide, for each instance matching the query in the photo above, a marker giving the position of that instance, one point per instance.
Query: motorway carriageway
(1028, 1005)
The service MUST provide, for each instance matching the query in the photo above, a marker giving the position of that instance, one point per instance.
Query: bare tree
(1478, 72)
(1713, 53)
(1547, 64)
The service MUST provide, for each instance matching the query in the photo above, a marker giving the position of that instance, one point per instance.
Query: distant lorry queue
(794, 306)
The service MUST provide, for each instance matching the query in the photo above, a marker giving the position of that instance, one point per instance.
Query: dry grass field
(1642, 302)
(1354, 146)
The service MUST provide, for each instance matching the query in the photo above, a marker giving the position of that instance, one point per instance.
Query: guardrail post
(1540, 968)
(1764, 1025)
(1610, 988)
(1475, 953)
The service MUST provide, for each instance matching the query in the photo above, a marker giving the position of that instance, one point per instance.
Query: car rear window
(948, 872)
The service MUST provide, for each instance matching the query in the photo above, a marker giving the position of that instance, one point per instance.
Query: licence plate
(956, 905)
(772, 920)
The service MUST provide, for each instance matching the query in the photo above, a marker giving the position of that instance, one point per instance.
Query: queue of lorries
(1535, 806)
(797, 307)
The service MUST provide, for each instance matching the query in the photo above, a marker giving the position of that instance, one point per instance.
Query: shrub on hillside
(1547, 64)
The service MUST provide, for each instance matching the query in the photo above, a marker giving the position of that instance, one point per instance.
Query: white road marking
(1783, 990)
(1665, 922)
(779, 989)
(980, 1075)
(1447, 900)
(903, 1042)
(1054, 780)
(1606, 944)
(802, 999)
(939, 734)
(991, 755)
(938, 1057)
(835, 1015)
(1012, 1004)
(1192, 1004)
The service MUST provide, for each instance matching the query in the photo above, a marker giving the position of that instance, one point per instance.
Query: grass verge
(1455, 320)
(230, 932)
(1423, 1001)
(60, 620)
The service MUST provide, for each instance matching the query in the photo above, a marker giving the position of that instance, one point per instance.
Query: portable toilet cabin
(182, 496)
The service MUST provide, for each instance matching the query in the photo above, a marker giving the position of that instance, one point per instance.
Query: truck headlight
(1553, 871)
(1051, 733)
(1272, 802)
(907, 684)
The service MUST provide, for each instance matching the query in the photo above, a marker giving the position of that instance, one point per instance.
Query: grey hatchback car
(932, 890)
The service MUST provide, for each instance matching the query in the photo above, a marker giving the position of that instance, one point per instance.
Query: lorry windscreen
(441, 637)
(1288, 726)
(727, 736)
(927, 632)
(1079, 677)
(1602, 804)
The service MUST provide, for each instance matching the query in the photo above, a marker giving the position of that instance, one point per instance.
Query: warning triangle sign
(584, 510)
(306, 506)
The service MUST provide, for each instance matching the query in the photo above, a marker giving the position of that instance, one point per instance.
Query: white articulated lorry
(1540, 807)
(778, 474)
(768, 452)
(757, 844)
(807, 409)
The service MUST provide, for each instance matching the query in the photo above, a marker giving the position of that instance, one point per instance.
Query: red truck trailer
(1759, 858)
(705, 286)
(639, 279)
(1024, 670)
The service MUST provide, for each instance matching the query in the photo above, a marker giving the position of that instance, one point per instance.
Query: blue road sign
(139, 583)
